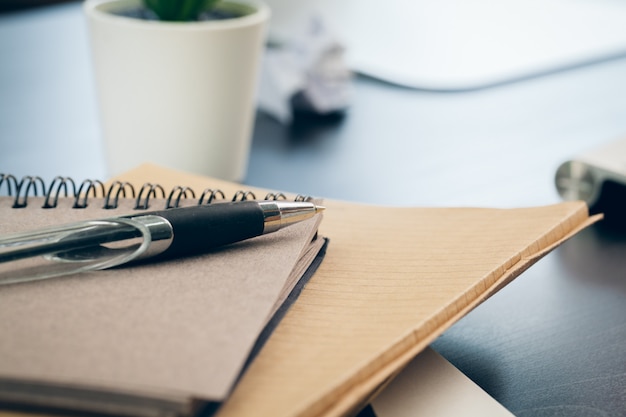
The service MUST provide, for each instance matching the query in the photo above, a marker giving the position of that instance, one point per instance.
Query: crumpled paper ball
(307, 73)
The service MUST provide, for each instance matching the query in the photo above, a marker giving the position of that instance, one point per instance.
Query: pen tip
(319, 208)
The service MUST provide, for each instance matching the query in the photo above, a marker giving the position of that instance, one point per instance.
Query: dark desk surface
(551, 343)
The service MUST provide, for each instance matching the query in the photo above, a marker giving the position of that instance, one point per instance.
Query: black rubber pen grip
(200, 228)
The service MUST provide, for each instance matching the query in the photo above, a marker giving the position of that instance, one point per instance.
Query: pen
(104, 243)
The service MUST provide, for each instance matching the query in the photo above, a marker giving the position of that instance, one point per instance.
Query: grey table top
(550, 343)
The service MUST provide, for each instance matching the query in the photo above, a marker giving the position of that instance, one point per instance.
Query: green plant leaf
(179, 10)
(210, 4)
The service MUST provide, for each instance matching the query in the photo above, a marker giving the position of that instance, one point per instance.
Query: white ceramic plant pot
(177, 94)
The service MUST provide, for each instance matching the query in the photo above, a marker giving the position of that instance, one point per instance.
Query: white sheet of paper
(461, 44)
(432, 386)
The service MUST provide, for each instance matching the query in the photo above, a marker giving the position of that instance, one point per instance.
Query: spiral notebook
(161, 338)
(392, 280)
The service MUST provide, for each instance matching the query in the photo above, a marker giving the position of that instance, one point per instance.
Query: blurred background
(453, 87)
(450, 103)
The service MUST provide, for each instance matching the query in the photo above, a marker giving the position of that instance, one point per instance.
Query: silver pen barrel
(278, 214)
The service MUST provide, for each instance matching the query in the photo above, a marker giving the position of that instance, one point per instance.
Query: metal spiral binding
(111, 201)
(22, 188)
(210, 195)
(52, 196)
(302, 197)
(89, 189)
(81, 199)
(150, 190)
(244, 196)
(10, 181)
